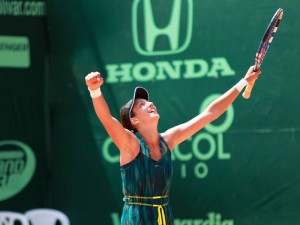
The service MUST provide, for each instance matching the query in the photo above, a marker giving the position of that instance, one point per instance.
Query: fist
(252, 75)
(94, 80)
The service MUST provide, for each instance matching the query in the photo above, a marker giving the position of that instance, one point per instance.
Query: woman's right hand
(94, 80)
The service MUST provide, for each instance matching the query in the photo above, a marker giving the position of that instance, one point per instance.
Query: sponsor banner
(145, 32)
(17, 166)
(22, 8)
(212, 218)
(14, 52)
(196, 153)
(24, 106)
(186, 53)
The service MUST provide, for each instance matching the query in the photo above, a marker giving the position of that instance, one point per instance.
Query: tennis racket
(264, 46)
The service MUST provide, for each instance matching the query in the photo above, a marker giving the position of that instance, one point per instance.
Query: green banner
(24, 168)
(241, 169)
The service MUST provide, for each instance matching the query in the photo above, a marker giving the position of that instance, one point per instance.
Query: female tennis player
(145, 154)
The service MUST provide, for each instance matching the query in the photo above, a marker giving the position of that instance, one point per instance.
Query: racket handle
(248, 90)
(249, 87)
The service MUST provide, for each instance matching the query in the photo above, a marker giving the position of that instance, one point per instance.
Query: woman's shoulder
(129, 153)
(167, 138)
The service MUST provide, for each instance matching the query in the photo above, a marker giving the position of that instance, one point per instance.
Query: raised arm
(180, 133)
(123, 138)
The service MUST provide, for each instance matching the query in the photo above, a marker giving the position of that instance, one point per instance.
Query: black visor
(126, 110)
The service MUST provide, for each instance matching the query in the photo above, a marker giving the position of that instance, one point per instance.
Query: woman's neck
(150, 136)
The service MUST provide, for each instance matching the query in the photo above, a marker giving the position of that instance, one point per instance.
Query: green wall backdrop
(24, 126)
(242, 169)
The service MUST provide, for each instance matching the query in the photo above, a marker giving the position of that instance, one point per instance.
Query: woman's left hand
(252, 75)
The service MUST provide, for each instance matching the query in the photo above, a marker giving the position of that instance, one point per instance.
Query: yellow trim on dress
(161, 220)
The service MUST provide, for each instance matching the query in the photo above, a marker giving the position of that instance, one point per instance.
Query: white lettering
(144, 71)
(195, 68)
(174, 70)
(22, 8)
(166, 69)
(213, 218)
(115, 218)
(119, 73)
(220, 64)
(201, 170)
(12, 166)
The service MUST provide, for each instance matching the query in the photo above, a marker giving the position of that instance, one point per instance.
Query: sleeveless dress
(142, 179)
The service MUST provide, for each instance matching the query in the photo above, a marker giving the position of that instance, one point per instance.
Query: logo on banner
(204, 145)
(17, 166)
(22, 8)
(150, 38)
(213, 218)
(146, 33)
(14, 52)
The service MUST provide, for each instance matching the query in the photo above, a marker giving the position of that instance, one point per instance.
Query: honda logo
(146, 33)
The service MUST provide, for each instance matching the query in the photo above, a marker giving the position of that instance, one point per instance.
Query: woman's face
(144, 110)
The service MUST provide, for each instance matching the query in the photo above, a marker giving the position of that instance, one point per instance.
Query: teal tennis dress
(146, 186)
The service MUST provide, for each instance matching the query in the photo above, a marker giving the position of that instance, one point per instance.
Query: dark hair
(126, 111)
(125, 115)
